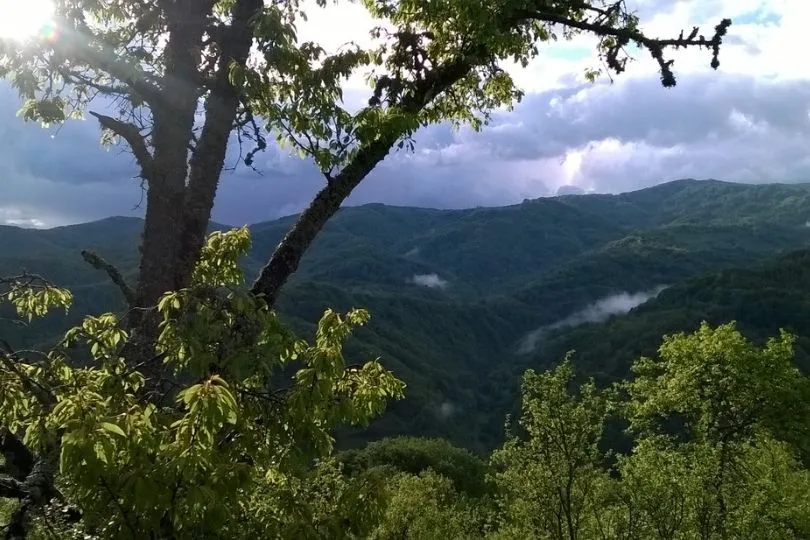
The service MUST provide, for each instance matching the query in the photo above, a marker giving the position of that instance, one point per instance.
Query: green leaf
(113, 428)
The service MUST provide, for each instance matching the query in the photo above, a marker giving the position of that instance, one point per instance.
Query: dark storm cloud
(403, 179)
(52, 152)
(730, 127)
(639, 109)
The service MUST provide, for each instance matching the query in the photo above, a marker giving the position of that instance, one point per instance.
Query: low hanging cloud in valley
(599, 311)
(432, 281)
(446, 410)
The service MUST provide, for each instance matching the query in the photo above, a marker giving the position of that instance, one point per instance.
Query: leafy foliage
(548, 479)
(227, 454)
(725, 471)
(415, 455)
(719, 384)
(428, 506)
(717, 424)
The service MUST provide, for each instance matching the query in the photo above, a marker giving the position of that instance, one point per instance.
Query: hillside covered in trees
(453, 295)
(715, 428)
(173, 379)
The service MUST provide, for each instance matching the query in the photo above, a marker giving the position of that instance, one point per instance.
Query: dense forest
(457, 346)
(706, 437)
(565, 368)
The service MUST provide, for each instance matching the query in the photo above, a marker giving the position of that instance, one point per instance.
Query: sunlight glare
(21, 20)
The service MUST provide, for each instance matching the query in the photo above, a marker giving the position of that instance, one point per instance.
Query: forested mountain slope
(762, 299)
(453, 294)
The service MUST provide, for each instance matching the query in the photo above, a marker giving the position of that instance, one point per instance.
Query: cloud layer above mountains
(748, 122)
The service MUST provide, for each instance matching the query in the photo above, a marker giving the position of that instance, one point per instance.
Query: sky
(747, 122)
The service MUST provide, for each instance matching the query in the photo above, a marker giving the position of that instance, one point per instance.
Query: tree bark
(182, 188)
(208, 159)
(173, 124)
(38, 489)
(173, 118)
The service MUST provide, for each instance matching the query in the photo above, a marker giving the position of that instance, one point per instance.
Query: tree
(720, 423)
(184, 75)
(709, 458)
(721, 386)
(427, 505)
(669, 489)
(415, 455)
(549, 480)
(236, 453)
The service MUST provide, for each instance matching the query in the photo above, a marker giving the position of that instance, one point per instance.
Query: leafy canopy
(229, 455)
(721, 386)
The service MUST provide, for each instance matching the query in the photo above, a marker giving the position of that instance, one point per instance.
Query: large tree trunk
(181, 190)
(208, 159)
(173, 118)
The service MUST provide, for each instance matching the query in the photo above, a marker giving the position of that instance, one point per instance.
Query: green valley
(453, 294)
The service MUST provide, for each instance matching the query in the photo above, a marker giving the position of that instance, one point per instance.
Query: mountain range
(463, 301)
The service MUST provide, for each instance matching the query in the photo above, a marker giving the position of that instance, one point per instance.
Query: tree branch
(99, 263)
(9, 359)
(208, 158)
(132, 135)
(626, 34)
(76, 45)
(287, 256)
(76, 78)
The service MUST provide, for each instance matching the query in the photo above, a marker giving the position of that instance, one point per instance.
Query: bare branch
(77, 46)
(97, 262)
(255, 135)
(76, 78)
(132, 135)
(626, 34)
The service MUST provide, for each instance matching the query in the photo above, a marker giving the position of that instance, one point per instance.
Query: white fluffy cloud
(746, 122)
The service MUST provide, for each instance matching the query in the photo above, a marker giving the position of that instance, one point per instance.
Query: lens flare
(23, 20)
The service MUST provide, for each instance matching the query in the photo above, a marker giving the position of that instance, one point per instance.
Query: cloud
(570, 190)
(599, 311)
(446, 410)
(70, 154)
(20, 217)
(748, 122)
(432, 281)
